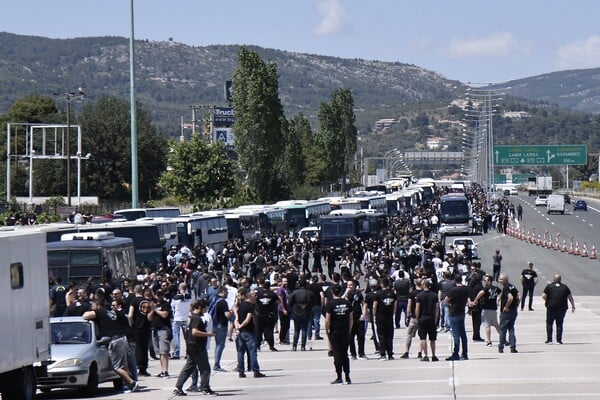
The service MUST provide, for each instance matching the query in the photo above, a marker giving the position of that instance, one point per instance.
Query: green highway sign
(540, 155)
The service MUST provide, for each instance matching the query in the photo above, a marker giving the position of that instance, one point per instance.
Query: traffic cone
(571, 250)
(523, 234)
(584, 252)
(539, 239)
(564, 246)
(593, 254)
(556, 243)
(528, 236)
(577, 248)
(549, 242)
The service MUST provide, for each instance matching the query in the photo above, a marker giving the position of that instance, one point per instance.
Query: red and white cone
(584, 251)
(571, 250)
(577, 248)
(593, 254)
(564, 246)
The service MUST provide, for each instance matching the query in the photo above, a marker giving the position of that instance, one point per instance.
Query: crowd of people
(250, 292)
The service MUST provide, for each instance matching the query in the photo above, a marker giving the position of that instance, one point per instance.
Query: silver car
(79, 358)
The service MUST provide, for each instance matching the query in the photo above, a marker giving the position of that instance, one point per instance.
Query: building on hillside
(384, 124)
(515, 114)
(437, 143)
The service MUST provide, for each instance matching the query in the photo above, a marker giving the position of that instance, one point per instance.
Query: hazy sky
(471, 41)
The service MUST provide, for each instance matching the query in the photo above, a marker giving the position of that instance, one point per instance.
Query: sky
(469, 41)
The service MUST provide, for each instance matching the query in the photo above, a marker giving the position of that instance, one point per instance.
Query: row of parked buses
(95, 249)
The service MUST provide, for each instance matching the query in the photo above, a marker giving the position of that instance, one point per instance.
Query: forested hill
(574, 89)
(172, 76)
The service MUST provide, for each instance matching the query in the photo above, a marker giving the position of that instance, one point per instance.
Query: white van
(555, 203)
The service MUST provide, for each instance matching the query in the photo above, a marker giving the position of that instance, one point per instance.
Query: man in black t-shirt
(220, 325)
(555, 296)
(246, 340)
(529, 279)
(370, 297)
(317, 288)
(487, 298)
(384, 309)
(197, 355)
(426, 313)
(160, 319)
(338, 325)
(457, 299)
(359, 312)
(509, 301)
(138, 315)
(266, 312)
(117, 347)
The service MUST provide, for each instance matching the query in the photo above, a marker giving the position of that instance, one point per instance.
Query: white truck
(555, 203)
(25, 327)
(539, 185)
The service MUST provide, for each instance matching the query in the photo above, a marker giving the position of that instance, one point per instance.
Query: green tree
(107, 137)
(298, 133)
(259, 138)
(338, 134)
(198, 172)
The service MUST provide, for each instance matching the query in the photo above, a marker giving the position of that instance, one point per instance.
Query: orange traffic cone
(584, 252)
(577, 248)
(571, 250)
(594, 254)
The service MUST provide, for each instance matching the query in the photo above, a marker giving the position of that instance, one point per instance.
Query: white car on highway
(541, 200)
(462, 243)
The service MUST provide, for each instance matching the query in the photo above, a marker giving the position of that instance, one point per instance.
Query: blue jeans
(220, 338)
(400, 308)
(459, 334)
(507, 324)
(315, 324)
(301, 325)
(177, 327)
(246, 342)
(444, 316)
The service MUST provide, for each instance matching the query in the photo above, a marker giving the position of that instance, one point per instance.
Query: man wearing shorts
(487, 298)
(426, 313)
(117, 347)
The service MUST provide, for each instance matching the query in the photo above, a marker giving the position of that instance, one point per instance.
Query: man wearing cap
(338, 325)
(529, 279)
(555, 296)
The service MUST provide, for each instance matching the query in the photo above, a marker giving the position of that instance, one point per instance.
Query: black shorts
(427, 329)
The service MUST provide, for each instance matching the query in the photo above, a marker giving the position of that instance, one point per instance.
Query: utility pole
(69, 97)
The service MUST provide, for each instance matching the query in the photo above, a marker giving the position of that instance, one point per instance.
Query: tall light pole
(134, 160)
(486, 95)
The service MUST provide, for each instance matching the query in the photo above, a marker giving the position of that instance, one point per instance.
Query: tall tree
(259, 139)
(106, 136)
(338, 134)
(198, 172)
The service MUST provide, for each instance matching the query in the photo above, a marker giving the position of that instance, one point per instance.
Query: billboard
(223, 116)
(225, 135)
(540, 155)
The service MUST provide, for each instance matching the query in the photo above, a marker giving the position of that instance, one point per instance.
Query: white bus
(198, 228)
(131, 214)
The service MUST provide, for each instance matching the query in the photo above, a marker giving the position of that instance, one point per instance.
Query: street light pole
(134, 160)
